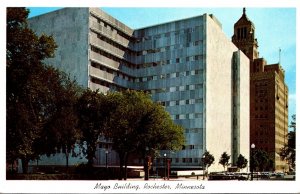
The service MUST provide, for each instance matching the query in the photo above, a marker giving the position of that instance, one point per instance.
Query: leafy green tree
(92, 114)
(207, 159)
(121, 125)
(288, 152)
(261, 160)
(241, 162)
(157, 132)
(224, 160)
(26, 98)
(139, 125)
(61, 130)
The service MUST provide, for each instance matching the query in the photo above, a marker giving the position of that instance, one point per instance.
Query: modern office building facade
(189, 66)
(268, 95)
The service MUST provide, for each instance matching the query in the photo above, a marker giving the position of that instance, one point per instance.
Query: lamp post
(252, 160)
(165, 159)
(203, 165)
(106, 154)
(146, 164)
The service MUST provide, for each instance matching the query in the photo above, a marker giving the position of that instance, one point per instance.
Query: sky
(275, 28)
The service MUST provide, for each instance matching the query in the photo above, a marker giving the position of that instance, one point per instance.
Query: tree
(288, 151)
(40, 99)
(207, 159)
(224, 160)
(261, 160)
(241, 162)
(61, 131)
(139, 125)
(92, 114)
(156, 132)
(25, 96)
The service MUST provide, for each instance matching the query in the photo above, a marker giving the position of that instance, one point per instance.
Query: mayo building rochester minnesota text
(188, 65)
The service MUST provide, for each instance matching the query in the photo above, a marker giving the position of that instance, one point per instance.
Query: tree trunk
(146, 170)
(126, 161)
(37, 165)
(67, 162)
(121, 157)
(90, 157)
(24, 165)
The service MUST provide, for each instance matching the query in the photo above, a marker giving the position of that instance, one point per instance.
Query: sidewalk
(194, 178)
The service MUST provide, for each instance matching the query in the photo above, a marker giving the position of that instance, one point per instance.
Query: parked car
(290, 176)
(280, 175)
(265, 175)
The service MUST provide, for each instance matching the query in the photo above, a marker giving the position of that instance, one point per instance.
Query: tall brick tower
(244, 37)
(268, 95)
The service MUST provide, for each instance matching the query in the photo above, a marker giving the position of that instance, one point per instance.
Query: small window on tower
(238, 32)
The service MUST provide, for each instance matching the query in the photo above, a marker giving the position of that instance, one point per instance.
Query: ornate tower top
(244, 36)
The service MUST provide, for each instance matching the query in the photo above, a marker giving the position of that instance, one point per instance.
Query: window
(199, 100)
(177, 60)
(172, 89)
(198, 86)
(198, 115)
(192, 87)
(172, 103)
(187, 116)
(181, 116)
(182, 102)
(191, 116)
(157, 36)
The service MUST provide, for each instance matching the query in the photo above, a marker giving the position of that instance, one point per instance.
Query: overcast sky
(274, 28)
